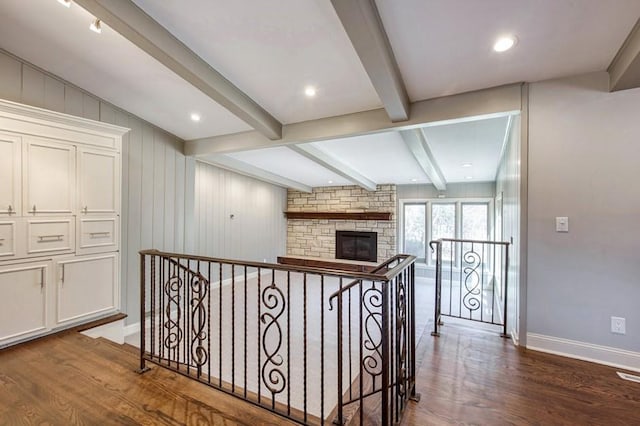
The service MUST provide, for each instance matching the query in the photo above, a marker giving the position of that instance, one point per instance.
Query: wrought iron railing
(376, 347)
(268, 334)
(471, 281)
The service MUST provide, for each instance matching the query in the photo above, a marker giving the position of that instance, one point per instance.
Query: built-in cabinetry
(59, 221)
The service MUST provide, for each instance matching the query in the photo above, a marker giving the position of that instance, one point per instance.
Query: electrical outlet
(618, 325)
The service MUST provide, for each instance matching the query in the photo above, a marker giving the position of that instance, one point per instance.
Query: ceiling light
(65, 3)
(95, 26)
(195, 117)
(310, 91)
(330, 181)
(467, 165)
(504, 43)
(468, 177)
(414, 180)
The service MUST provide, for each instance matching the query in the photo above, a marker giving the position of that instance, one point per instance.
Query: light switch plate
(562, 224)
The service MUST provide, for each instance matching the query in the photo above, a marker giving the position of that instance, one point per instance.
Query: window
(427, 220)
(414, 230)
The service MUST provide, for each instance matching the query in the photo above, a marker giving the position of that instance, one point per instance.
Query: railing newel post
(143, 364)
(506, 289)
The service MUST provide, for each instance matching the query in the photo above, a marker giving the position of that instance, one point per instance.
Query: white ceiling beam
(335, 165)
(419, 147)
(494, 102)
(135, 25)
(240, 167)
(624, 71)
(361, 21)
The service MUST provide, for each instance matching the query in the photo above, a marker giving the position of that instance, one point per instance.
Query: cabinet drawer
(7, 239)
(98, 233)
(50, 235)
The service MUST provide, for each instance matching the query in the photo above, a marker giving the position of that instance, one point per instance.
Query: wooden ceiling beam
(229, 163)
(126, 18)
(361, 21)
(624, 70)
(335, 165)
(419, 147)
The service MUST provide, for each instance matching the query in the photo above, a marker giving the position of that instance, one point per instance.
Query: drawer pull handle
(41, 278)
(103, 234)
(85, 209)
(49, 238)
(34, 209)
(1, 242)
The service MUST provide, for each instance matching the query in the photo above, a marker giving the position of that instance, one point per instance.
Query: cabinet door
(98, 176)
(10, 175)
(23, 302)
(49, 177)
(87, 286)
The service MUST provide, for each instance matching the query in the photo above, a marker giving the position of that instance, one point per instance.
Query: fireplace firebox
(357, 246)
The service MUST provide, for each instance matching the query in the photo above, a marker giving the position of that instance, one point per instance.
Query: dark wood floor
(74, 380)
(466, 377)
(469, 376)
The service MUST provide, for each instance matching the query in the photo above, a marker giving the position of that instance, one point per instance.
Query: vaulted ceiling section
(397, 92)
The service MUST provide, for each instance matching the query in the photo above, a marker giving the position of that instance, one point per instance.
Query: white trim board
(606, 355)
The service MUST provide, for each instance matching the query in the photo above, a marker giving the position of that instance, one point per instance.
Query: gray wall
(454, 190)
(508, 183)
(258, 228)
(584, 145)
(158, 198)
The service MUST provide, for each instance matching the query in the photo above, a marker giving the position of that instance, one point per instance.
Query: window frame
(428, 202)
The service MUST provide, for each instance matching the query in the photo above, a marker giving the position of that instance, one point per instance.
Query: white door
(87, 286)
(10, 175)
(98, 175)
(49, 177)
(23, 303)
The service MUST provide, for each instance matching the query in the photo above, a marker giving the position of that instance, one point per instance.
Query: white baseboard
(131, 329)
(113, 331)
(514, 337)
(606, 355)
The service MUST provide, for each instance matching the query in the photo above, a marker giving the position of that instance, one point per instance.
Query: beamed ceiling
(388, 76)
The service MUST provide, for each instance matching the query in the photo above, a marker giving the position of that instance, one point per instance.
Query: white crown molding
(606, 355)
(31, 114)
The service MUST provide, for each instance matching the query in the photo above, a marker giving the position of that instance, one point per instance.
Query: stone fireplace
(317, 237)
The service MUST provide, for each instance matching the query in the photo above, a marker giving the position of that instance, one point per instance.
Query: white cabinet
(59, 221)
(23, 305)
(10, 175)
(98, 181)
(8, 240)
(49, 177)
(86, 286)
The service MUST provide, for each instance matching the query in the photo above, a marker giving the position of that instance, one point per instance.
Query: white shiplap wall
(158, 198)
(258, 228)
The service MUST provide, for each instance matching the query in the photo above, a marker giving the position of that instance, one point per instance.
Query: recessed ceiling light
(468, 177)
(414, 180)
(65, 3)
(330, 181)
(504, 43)
(195, 117)
(467, 164)
(96, 26)
(310, 91)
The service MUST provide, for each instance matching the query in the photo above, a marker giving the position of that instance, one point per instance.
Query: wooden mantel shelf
(339, 215)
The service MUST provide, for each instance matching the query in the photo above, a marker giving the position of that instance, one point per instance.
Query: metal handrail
(188, 337)
(472, 291)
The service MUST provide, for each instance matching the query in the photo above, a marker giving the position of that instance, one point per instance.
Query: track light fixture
(95, 26)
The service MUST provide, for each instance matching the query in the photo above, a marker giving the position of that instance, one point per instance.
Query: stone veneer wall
(317, 237)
